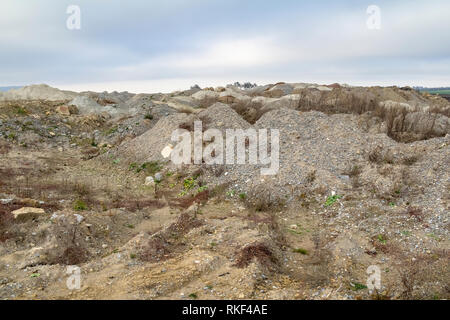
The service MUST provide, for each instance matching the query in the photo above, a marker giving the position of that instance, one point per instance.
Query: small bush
(379, 155)
(331, 200)
(301, 251)
(358, 286)
(21, 111)
(71, 248)
(150, 168)
(80, 205)
(162, 244)
(415, 212)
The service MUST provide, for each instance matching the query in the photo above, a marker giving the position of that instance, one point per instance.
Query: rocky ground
(363, 181)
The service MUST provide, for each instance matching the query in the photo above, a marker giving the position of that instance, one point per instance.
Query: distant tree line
(245, 85)
(431, 89)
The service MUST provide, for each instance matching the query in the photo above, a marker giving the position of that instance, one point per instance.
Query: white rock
(54, 216)
(167, 151)
(79, 217)
(149, 181)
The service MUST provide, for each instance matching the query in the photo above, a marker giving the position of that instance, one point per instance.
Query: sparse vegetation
(21, 111)
(193, 295)
(358, 286)
(87, 172)
(301, 251)
(80, 205)
(150, 168)
(332, 199)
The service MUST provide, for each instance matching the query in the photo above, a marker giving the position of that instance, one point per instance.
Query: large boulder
(26, 213)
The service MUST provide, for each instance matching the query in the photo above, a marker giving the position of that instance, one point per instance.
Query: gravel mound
(86, 105)
(148, 146)
(37, 92)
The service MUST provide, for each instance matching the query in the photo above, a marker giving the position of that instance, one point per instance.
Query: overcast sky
(153, 45)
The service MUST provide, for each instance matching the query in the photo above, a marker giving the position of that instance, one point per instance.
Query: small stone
(54, 216)
(63, 110)
(79, 217)
(158, 177)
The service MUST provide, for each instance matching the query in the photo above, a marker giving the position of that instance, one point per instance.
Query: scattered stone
(158, 177)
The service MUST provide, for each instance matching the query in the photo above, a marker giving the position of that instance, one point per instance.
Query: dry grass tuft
(258, 251)
(201, 198)
(415, 212)
(165, 243)
(71, 248)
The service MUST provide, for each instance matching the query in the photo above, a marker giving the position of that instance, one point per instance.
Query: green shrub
(358, 286)
(80, 205)
(331, 200)
(21, 111)
(301, 250)
(188, 184)
(150, 167)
